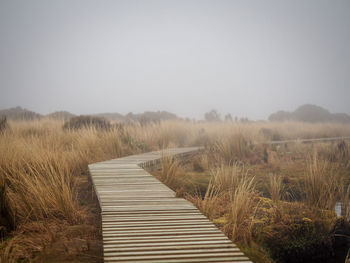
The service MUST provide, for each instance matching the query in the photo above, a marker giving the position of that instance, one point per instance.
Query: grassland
(265, 198)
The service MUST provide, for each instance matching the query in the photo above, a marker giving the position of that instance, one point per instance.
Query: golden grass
(169, 170)
(210, 203)
(39, 166)
(275, 187)
(241, 213)
(323, 183)
(345, 203)
(232, 148)
(40, 163)
(230, 193)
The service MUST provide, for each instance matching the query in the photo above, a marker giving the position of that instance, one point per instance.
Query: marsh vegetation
(275, 201)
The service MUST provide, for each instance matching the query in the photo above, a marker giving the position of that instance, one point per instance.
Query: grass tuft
(323, 183)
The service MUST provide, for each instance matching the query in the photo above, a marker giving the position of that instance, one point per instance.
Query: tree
(212, 115)
(228, 117)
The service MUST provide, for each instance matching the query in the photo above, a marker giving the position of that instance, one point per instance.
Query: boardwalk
(143, 221)
(330, 139)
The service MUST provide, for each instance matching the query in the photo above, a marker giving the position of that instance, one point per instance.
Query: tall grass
(345, 203)
(275, 187)
(323, 183)
(39, 169)
(209, 205)
(40, 164)
(232, 148)
(227, 178)
(230, 193)
(40, 188)
(169, 170)
(240, 217)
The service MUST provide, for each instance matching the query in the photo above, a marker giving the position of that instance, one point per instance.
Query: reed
(323, 183)
(169, 170)
(40, 164)
(209, 204)
(241, 211)
(275, 187)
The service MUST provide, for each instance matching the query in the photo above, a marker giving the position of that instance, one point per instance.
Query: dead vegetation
(81, 122)
(3, 124)
(43, 165)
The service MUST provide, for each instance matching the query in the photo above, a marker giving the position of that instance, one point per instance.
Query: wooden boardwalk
(330, 139)
(143, 221)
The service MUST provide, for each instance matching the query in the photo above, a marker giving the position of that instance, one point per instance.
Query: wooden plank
(187, 260)
(175, 252)
(232, 255)
(172, 244)
(164, 239)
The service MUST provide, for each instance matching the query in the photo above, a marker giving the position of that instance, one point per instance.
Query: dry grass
(275, 187)
(39, 166)
(169, 170)
(345, 203)
(241, 213)
(323, 183)
(226, 178)
(232, 148)
(230, 193)
(40, 163)
(210, 203)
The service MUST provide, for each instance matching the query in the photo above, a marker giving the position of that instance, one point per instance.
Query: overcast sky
(248, 58)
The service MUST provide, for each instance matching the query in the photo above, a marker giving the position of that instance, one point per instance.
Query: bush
(298, 242)
(81, 122)
(6, 219)
(233, 148)
(3, 124)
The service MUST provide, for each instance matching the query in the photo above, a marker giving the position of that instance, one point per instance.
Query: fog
(248, 58)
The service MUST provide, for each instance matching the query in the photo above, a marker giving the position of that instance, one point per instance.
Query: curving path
(143, 221)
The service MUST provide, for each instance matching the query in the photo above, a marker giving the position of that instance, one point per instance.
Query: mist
(247, 58)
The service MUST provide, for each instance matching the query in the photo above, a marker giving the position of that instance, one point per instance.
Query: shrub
(3, 124)
(212, 115)
(232, 148)
(6, 219)
(270, 134)
(298, 241)
(81, 122)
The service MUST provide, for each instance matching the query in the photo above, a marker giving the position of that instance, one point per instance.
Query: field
(275, 201)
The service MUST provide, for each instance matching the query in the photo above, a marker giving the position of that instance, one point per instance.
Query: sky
(248, 58)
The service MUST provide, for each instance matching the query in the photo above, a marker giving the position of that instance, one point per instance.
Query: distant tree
(3, 124)
(212, 115)
(19, 113)
(309, 113)
(280, 116)
(312, 113)
(87, 121)
(130, 115)
(228, 117)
